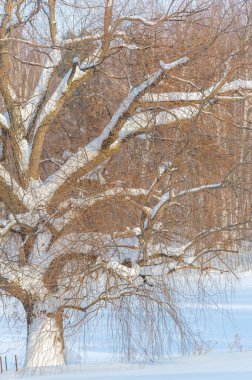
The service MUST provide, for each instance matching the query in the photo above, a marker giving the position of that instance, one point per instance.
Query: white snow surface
(224, 366)
(231, 366)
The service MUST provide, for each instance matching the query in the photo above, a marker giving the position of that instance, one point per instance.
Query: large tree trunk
(45, 341)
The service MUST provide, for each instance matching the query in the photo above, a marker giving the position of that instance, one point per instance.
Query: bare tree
(128, 210)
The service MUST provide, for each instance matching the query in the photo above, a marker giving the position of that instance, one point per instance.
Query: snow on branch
(4, 122)
(144, 121)
(197, 189)
(196, 97)
(30, 111)
(171, 65)
(122, 271)
(7, 225)
(152, 22)
(168, 197)
(63, 88)
(77, 40)
(73, 206)
(86, 202)
(11, 192)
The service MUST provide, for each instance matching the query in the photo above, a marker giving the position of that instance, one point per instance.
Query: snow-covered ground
(214, 366)
(225, 354)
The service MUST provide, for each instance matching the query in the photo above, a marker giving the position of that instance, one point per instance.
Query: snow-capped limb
(4, 122)
(236, 85)
(117, 192)
(215, 251)
(190, 98)
(7, 225)
(199, 188)
(61, 45)
(171, 65)
(90, 37)
(11, 192)
(180, 14)
(56, 100)
(129, 232)
(164, 199)
(34, 104)
(122, 271)
(154, 22)
(146, 121)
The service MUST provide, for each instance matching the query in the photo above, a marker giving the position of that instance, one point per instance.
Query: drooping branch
(69, 210)
(52, 273)
(14, 290)
(21, 282)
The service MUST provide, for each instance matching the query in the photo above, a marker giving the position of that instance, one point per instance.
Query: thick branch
(193, 98)
(35, 104)
(11, 193)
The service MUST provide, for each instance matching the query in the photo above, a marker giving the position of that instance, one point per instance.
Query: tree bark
(45, 340)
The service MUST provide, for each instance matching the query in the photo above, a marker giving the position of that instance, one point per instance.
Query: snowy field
(226, 351)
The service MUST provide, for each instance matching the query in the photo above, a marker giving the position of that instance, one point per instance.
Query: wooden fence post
(1, 365)
(6, 367)
(16, 363)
